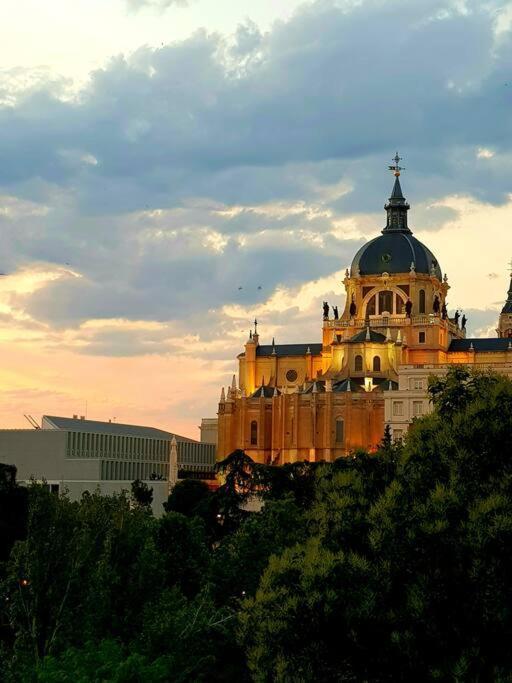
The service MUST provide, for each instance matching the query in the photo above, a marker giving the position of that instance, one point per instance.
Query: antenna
(31, 421)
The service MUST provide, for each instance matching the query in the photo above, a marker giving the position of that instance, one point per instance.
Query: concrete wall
(41, 454)
(208, 429)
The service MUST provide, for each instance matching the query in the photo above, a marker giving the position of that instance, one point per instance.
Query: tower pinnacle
(396, 168)
(397, 207)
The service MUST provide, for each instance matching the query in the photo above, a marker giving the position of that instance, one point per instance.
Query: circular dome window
(385, 258)
(291, 375)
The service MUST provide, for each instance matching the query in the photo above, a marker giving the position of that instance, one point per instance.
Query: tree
(182, 544)
(405, 576)
(239, 561)
(13, 510)
(142, 494)
(188, 497)
(238, 472)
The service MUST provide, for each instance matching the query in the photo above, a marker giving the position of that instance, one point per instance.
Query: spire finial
(397, 206)
(255, 326)
(395, 167)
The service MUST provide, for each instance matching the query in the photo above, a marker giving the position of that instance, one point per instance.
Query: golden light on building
(320, 401)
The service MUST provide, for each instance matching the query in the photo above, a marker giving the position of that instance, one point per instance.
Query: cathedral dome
(396, 249)
(394, 253)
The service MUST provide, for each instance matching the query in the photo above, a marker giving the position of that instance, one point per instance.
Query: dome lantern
(396, 249)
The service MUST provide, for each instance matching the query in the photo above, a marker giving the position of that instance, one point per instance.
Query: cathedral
(320, 401)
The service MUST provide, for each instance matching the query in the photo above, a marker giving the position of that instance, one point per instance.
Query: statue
(353, 308)
(444, 311)
(436, 305)
(463, 322)
(456, 317)
(326, 310)
(408, 308)
(335, 311)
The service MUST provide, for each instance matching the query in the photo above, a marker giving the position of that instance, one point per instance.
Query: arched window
(371, 306)
(254, 433)
(385, 302)
(340, 430)
(376, 364)
(399, 304)
(358, 364)
(422, 301)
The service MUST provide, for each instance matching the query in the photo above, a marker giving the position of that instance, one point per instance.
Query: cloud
(160, 5)
(177, 175)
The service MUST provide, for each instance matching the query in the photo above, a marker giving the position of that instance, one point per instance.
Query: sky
(170, 170)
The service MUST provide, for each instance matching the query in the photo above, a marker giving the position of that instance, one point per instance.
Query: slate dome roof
(395, 250)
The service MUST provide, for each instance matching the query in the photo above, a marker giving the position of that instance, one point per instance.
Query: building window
(421, 337)
(397, 434)
(340, 430)
(385, 302)
(416, 383)
(254, 433)
(399, 304)
(417, 408)
(358, 364)
(371, 306)
(422, 301)
(376, 364)
(398, 408)
(291, 375)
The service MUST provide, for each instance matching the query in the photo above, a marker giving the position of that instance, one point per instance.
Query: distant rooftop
(480, 344)
(288, 349)
(72, 424)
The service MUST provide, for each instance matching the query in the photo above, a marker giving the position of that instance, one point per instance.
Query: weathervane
(396, 168)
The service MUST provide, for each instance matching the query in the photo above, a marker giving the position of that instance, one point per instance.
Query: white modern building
(80, 455)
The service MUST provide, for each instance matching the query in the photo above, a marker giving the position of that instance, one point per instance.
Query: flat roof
(72, 424)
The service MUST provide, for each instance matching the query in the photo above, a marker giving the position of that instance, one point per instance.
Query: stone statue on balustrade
(353, 309)
(436, 305)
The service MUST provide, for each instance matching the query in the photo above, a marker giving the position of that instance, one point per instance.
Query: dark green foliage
(188, 497)
(421, 537)
(142, 494)
(181, 543)
(393, 566)
(242, 556)
(13, 510)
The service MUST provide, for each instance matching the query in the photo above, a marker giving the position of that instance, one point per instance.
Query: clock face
(385, 258)
(291, 375)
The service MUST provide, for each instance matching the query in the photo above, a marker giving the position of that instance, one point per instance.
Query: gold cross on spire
(395, 167)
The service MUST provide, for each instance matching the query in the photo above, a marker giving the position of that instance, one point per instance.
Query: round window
(386, 258)
(291, 375)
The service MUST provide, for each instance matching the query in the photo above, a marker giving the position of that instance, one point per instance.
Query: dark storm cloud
(263, 122)
(330, 83)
